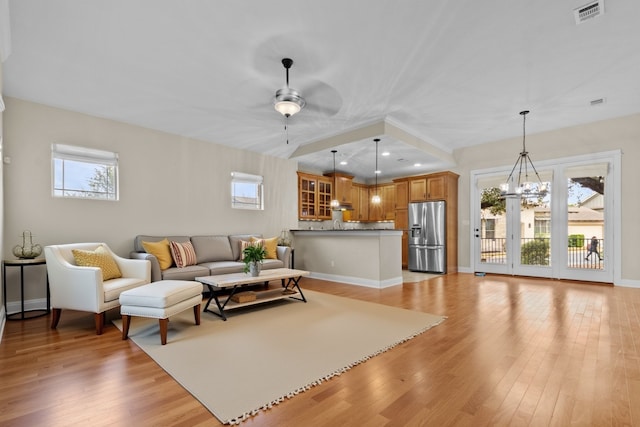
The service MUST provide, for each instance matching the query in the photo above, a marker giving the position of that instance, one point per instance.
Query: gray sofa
(216, 254)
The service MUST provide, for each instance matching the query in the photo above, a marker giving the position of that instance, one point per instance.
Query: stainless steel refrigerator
(427, 237)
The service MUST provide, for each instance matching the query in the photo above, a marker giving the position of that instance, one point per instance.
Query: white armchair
(82, 288)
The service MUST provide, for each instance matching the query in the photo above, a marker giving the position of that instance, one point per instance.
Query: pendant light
(523, 188)
(376, 197)
(335, 203)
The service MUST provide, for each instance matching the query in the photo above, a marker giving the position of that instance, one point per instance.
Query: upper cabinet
(402, 193)
(385, 210)
(418, 190)
(343, 184)
(432, 187)
(314, 196)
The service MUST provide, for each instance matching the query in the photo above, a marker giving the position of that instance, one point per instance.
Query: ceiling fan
(288, 101)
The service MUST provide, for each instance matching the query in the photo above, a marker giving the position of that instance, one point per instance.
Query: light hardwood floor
(513, 351)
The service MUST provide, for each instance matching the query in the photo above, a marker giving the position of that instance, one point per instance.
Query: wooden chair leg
(99, 319)
(164, 323)
(126, 321)
(55, 317)
(196, 313)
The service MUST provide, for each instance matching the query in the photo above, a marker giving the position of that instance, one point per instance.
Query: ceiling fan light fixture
(288, 102)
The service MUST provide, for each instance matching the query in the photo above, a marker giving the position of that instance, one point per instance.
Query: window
(489, 228)
(542, 228)
(84, 172)
(246, 191)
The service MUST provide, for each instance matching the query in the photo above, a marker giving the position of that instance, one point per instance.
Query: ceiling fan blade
(322, 98)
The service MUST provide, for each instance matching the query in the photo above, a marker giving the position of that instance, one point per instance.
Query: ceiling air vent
(588, 11)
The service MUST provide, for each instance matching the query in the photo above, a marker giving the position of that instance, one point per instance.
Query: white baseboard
(627, 283)
(378, 284)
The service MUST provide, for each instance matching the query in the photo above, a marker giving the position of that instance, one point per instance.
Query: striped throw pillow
(183, 254)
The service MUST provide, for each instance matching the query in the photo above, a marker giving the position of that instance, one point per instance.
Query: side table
(22, 263)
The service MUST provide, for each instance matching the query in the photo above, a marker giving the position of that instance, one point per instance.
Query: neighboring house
(595, 202)
(536, 222)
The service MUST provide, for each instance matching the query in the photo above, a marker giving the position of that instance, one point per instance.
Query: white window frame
(63, 153)
(247, 191)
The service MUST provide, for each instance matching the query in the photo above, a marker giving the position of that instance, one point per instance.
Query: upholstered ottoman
(160, 300)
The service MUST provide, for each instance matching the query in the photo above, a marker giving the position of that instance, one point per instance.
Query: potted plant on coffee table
(252, 256)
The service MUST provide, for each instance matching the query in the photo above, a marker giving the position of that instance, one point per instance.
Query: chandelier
(523, 187)
(376, 197)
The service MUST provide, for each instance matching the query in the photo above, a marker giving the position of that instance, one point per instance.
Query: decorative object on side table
(28, 250)
(284, 239)
(252, 257)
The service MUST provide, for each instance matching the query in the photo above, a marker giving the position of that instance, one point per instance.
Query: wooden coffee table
(235, 281)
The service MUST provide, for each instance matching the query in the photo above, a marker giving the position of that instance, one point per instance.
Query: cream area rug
(270, 352)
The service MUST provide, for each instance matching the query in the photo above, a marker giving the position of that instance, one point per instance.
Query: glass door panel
(586, 225)
(491, 231)
(514, 234)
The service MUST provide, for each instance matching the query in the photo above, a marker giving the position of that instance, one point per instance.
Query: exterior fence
(536, 251)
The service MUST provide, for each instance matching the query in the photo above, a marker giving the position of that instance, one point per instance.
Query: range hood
(342, 207)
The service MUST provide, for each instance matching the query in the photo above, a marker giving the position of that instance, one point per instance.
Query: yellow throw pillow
(270, 245)
(161, 251)
(98, 258)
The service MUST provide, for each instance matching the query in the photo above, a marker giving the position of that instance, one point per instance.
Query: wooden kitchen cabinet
(402, 194)
(388, 195)
(343, 185)
(385, 210)
(431, 187)
(363, 203)
(402, 223)
(418, 190)
(437, 187)
(314, 196)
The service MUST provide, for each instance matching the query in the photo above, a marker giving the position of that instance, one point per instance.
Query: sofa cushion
(186, 273)
(99, 258)
(269, 245)
(224, 267)
(183, 254)
(268, 264)
(234, 242)
(161, 251)
(212, 248)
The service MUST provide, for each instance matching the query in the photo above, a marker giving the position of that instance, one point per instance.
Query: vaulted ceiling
(427, 77)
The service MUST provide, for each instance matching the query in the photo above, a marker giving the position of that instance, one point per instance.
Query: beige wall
(168, 184)
(621, 133)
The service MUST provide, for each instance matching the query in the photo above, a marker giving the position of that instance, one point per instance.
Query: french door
(566, 234)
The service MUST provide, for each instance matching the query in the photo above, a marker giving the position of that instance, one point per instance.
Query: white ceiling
(427, 77)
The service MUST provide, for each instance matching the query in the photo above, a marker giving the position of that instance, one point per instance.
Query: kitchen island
(371, 258)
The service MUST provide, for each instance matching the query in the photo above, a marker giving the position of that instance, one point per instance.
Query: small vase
(254, 269)
(28, 250)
